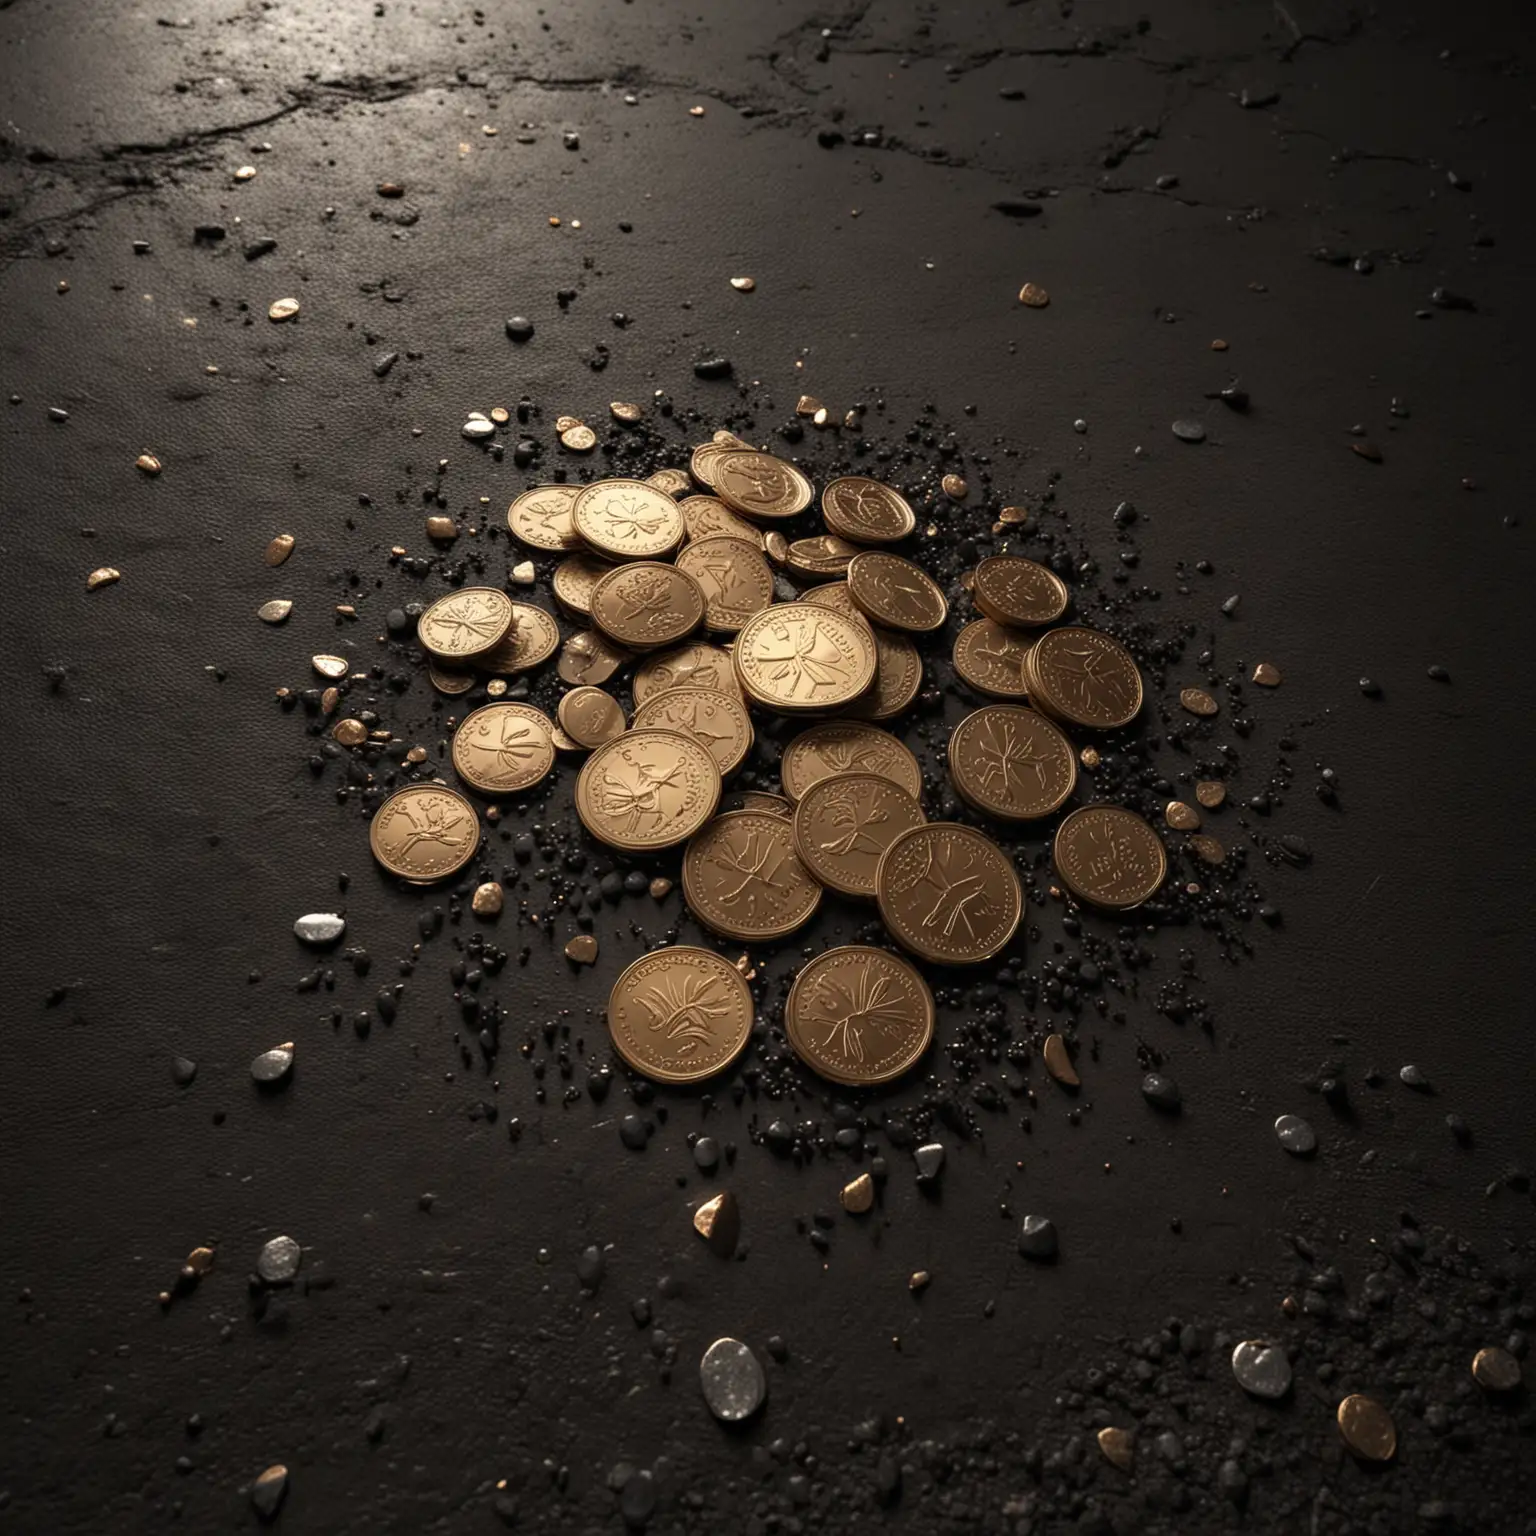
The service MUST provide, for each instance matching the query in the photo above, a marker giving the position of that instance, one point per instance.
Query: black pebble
(520, 328)
(1162, 1092)
(183, 1071)
(713, 367)
(633, 1134)
(1037, 1239)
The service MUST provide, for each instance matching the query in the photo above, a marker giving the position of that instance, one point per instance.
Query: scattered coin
(1267, 675)
(1495, 1369)
(1109, 857)
(282, 309)
(623, 410)
(898, 678)
(274, 611)
(582, 949)
(1367, 1428)
(1058, 1062)
(858, 1195)
(732, 1380)
(1013, 590)
(991, 657)
(319, 928)
(1011, 762)
(102, 576)
(1197, 701)
(274, 1065)
(647, 789)
(502, 749)
(1038, 1239)
(590, 717)
(1083, 677)
(279, 549)
(1296, 1135)
(674, 482)
(895, 592)
(448, 681)
(1210, 793)
(697, 665)
(1181, 817)
(529, 641)
(758, 484)
(718, 1222)
(466, 623)
(333, 667)
(847, 747)
(1033, 295)
(424, 832)
(702, 461)
(574, 579)
(866, 511)
(565, 423)
(818, 557)
(1262, 1369)
(349, 733)
(279, 1260)
(707, 517)
(845, 822)
(645, 604)
(579, 439)
(1117, 1446)
(680, 1014)
(732, 575)
(542, 519)
(718, 721)
(798, 657)
(627, 520)
(858, 1015)
(743, 880)
(949, 894)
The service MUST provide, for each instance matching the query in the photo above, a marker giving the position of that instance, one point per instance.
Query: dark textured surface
(163, 831)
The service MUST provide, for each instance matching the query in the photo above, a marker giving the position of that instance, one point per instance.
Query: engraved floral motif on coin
(1011, 763)
(858, 1015)
(743, 879)
(991, 659)
(866, 511)
(823, 555)
(645, 604)
(845, 822)
(673, 482)
(1013, 590)
(758, 484)
(707, 517)
(424, 832)
(1084, 678)
(719, 720)
(574, 579)
(465, 623)
(647, 789)
(847, 747)
(680, 1014)
(697, 665)
(894, 592)
(949, 894)
(798, 656)
(1108, 856)
(529, 642)
(541, 517)
(503, 748)
(627, 519)
(732, 575)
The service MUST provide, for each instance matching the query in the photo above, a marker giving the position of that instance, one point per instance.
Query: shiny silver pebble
(478, 428)
(320, 928)
(1261, 1368)
(1189, 431)
(733, 1381)
(1296, 1135)
(279, 1260)
(274, 1065)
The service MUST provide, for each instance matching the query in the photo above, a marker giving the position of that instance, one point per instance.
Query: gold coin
(574, 579)
(718, 721)
(645, 605)
(698, 664)
(680, 1014)
(529, 643)
(742, 879)
(1367, 1428)
(949, 894)
(834, 595)
(590, 717)
(1084, 678)
(858, 1015)
(707, 517)
(733, 577)
(589, 657)
(702, 460)
(628, 520)
(465, 623)
(424, 832)
(503, 749)
(844, 823)
(894, 592)
(1014, 590)
(820, 556)
(541, 517)
(564, 743)
(760, 800)
(565, 423)
(1034, 296)
(898, 677)
(1197, 701)
(1109, 857)
(847, 747)
(579, 439)
(672, 481)
(1181, 817)
(800, 656)
(1210, 793)
(991, 659)
(446, 680)
(776, 547)
(758, 484)
(1011, 763)
(866, 511)
(647, 789)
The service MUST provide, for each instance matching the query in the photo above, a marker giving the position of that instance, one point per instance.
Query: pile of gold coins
(676, 575)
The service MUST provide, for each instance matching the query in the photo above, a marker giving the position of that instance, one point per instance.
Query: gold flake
(282, 309)
(102, 576)
(487, 900)
(744, 284)
(858, 1195)
(148, 463)
(582, 949)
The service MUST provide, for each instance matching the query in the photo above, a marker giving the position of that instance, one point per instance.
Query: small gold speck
(1089, 758)
(148, 463)
(1267, 675)
(102, 576)
(807, 405)
(743, 284)
(579, 439)
(487, 900)
(275, 611)
(282, 309)
(1033, 295)
(350, 732)
(623, 410)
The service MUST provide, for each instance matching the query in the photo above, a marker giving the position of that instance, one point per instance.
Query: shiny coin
(529, 642)
(1109, 857)
(574, 579)
(866, 511)
(279, 549)
(333, 667)
(579, 439)
(102, 576)
(859, 1015)
(1210, 793)
(991, 658)
(898, 678)
(349, 733)
(541, 517)
(1033, 295)
(1495, 1370)
(718, 721)
(680, 1014)
(646, 605)
(844, 823)
(674, 482)
(628, 520)
(465, 623)
(733, 576)
(954, 487)
(1181, 817)
(424, 832)
(589, 657)
(1011, 763)
(447, 681)
(759, 800)
(702, 460)
(1083, 678)
(623, 410)
(275, 611)
(1197, 701)
(732, 1380)
(896, 593)
(832, 594)
(282, 309)
(503, 748)
(743, 880)
(1014, 590)
(590, 717)
(696, 665)
(647, 789)
(707, 517)
(759, 485)
(1261, 1368)
(949, 894)
(1367, 1428)
(846, 747)
(799, 656)
(816, 558)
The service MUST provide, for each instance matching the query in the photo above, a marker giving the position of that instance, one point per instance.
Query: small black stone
(183, 1071)
(590, 1266)
(633, 1133)
(712, 367)
(520, 328)
(706, 1154)
(1037, 1239)
(1162, 1092)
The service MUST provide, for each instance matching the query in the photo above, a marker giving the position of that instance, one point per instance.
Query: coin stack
(674, 575)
